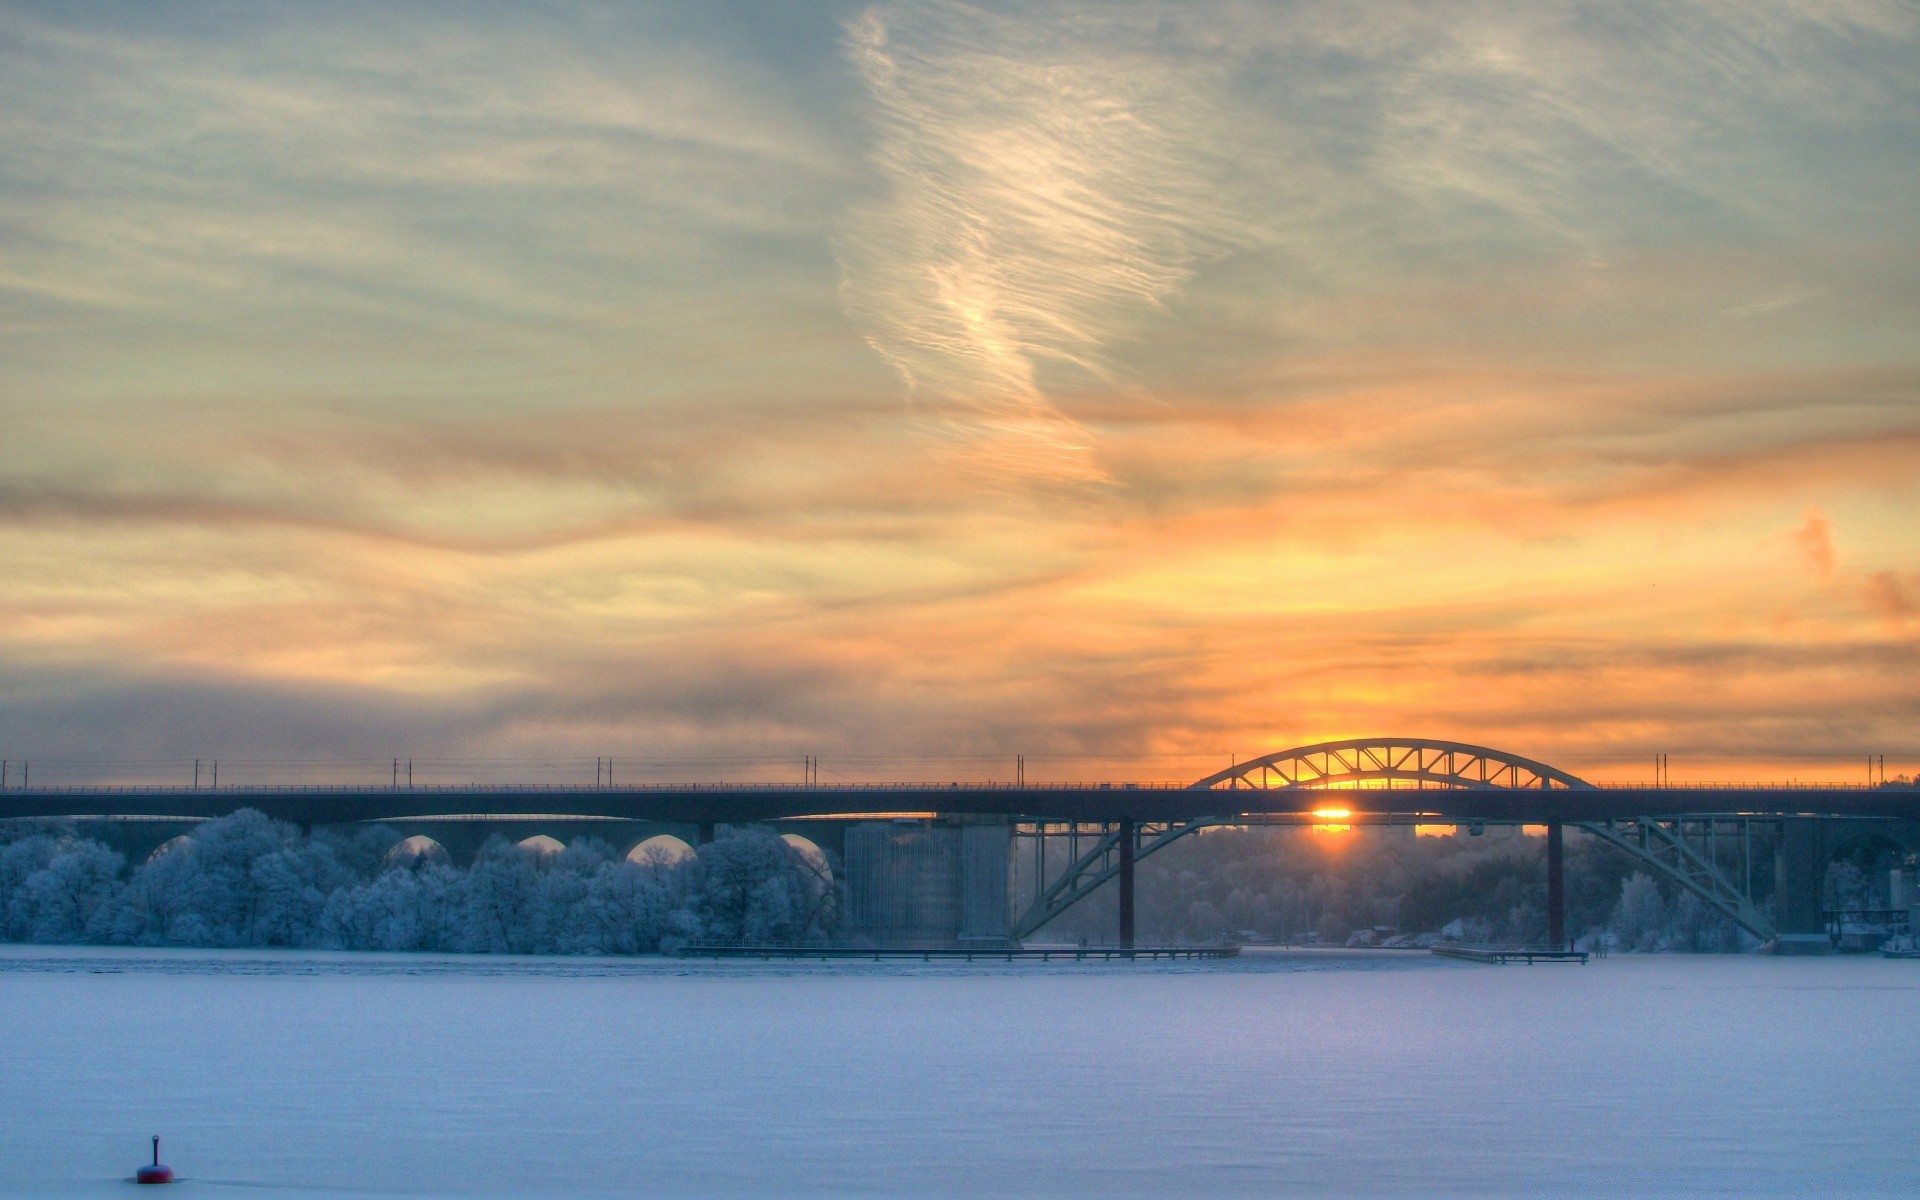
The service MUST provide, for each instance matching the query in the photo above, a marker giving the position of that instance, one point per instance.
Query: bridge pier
(1126, 882)
(929, 883)
(986, 858)
(1800, 873)
(1556, 886)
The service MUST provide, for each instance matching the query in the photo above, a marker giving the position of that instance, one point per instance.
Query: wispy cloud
(373, 165)
(1772, 302)
(1042, 182)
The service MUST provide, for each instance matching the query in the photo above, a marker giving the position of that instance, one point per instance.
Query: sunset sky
(1149, 383)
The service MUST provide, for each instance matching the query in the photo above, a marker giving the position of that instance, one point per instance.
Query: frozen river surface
(1270, 1076)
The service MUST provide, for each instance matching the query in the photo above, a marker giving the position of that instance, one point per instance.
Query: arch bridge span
(1391, 762)
(1706, 850)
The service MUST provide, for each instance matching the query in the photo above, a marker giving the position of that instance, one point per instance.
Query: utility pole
(1020, 769)
(196, 774)
(216, 774)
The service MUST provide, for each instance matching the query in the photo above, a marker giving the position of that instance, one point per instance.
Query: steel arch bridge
(1391, 762)
(1661, 844)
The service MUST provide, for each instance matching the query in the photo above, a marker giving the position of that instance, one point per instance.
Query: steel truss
(1660, 844)
(1098, 864)
(1663, 845)
(1391, 762)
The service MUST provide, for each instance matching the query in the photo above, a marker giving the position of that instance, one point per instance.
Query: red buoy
(159, 1172)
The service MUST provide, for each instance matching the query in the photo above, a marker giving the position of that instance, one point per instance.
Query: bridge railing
(103, 789)
(90, 789)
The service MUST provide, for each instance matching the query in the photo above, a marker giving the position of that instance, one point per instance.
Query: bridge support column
(1799, 877)
(986, 851)
(1556, 886)
(1126, 883)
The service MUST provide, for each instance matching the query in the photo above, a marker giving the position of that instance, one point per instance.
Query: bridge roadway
(1142, 803)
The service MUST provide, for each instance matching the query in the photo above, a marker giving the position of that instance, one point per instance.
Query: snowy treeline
(1648, 919)
(246, 880)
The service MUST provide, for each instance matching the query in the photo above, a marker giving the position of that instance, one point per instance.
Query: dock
(1501, 955)
(964, 953)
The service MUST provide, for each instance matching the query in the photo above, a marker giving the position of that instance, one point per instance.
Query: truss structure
(1100, 863)
(1391, 762)
(1662, 846)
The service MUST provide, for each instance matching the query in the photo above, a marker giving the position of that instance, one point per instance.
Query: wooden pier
(967, 954)
(1501, 955)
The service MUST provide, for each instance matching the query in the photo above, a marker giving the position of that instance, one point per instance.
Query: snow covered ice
(1277, 1074)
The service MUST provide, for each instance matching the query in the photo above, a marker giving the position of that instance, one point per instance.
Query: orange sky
(1126, 385)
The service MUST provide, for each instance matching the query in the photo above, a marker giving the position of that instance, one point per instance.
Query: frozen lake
(1334, 1074)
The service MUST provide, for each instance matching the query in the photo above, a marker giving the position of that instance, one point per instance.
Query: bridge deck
(1101, 802)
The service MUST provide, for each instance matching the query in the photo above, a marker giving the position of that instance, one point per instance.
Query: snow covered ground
(1277, 1074)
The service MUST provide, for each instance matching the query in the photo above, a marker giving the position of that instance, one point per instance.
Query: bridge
(928, 863)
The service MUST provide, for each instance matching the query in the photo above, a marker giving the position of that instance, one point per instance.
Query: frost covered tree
(1640, 921)
(64, 901)
(496, 900)
(752, 888)
(1646, 920)
(412, 906)
(241, 880)
(19, 860)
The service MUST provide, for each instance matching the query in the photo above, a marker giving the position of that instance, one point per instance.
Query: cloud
(532, 381)
(1892, 597)
(1036, 194)
(1784, 298)
(1815, 540)
(374, 165)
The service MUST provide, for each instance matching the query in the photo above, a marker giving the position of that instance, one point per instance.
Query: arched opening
(416, 850)
(169, 846)
(811, 855)
(542, 845)
(660, 850)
